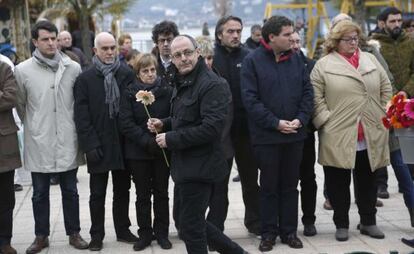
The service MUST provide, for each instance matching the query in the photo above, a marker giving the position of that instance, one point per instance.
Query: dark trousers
(41, 203)
(403, 175)
(151, 179)
(195, 231)
(121, 182)
(219, 202)
(279, 176)
(7, 201)
(381, 177)
(308, 186)
(337, 185)
(248, 172)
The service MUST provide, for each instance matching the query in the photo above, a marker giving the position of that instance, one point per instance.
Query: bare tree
(222, 7)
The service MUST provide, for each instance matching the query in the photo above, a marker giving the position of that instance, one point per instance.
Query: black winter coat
(274, 91)
(251, 44)
(139, 142)
(229, 64)
(94, 127)
(199, 106)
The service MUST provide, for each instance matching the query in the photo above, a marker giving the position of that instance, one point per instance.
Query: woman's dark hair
(274, 26)
(407, 23)
(165, 27)
(44, 25)
(221, 22)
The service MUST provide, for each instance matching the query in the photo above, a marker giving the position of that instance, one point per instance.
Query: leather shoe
(142, 243)
(382, 193)
(39, 243)
(293, 241)
(164, 243)
(7, 249)
(236, 178)
(309, 230)
(266, 245)
(77, 241)
(95, 245)
(127, 237)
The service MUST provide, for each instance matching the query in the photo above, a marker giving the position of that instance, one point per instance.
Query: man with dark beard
(397, 50)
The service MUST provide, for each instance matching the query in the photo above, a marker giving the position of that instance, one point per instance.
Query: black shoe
(408, 242)
(18, 187)
(95, 245)
(309, 230)
(236, 178)
(142, 243)
(164, 243)
(127, 237)
(266, 245)
(382, 193)
(293, 241)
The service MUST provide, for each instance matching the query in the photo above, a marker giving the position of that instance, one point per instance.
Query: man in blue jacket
(278, 98)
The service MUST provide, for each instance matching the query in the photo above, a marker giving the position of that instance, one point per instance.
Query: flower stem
(156, 132)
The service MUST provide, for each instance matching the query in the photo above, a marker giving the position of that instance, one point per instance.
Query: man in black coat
(279, 100)
(193, 134)
(308, 186)
(162, 35)
(228, 57)
(253, 42)
(97, 93)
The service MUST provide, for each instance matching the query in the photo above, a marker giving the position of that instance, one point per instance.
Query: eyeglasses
(350, 39)
(186, 53)
(163, 40)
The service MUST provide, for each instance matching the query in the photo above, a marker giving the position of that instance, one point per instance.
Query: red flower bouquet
(400, 113)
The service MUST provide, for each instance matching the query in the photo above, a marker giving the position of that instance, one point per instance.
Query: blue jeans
(402, 172)
(41, 204)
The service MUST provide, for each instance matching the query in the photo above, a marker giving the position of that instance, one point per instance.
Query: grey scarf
(51, 63)
(111, 87)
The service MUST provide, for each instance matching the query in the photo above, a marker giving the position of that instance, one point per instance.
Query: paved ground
(393, 219)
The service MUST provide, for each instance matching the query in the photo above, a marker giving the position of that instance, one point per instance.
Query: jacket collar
(223, 49)
(284, 56)
(190, 78)
(338, 65)
(386, 38)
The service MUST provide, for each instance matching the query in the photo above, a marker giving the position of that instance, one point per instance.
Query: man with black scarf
(97, 96)
(228, 57)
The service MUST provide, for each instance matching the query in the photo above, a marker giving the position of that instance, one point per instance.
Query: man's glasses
(186, 53)
(350, 39)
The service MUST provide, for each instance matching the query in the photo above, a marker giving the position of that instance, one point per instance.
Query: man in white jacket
(45, 106)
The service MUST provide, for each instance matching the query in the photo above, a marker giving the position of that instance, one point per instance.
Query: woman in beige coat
(351, 91)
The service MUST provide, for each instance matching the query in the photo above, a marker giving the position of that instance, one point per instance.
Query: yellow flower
(145, 97)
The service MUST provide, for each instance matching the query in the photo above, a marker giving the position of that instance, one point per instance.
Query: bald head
(105, 47)
(103, 37)
(64, 39)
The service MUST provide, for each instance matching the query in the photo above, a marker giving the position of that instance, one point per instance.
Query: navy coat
(274, 91)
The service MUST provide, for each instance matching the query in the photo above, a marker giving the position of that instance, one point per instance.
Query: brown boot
(39, 243)
(77, 241)
(7, 249)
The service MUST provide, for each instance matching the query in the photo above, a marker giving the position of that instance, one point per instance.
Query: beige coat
(343, 97)
(45, 105)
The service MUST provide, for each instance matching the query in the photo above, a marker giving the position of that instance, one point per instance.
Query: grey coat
(45, 106)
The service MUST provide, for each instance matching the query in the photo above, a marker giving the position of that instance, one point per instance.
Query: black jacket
(229, 64)
(251, 44)
(274, 91)
(199, 106)
(139, 142)
(94, 127)
(166, 74)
